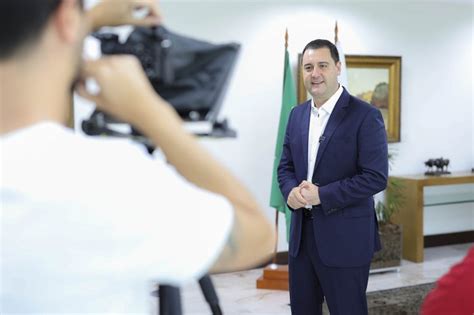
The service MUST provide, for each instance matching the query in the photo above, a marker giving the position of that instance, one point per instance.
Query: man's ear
(338, 66)
(67, 20)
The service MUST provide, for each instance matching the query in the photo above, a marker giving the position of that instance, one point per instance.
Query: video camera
(192, 75)
(149, 45)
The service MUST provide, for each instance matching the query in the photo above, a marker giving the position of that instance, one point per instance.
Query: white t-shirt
(91, 225)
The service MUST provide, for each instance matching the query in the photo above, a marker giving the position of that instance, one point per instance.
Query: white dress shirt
(317, 124)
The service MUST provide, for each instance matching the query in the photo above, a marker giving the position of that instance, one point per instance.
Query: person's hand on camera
(125, 91)
(124, 12)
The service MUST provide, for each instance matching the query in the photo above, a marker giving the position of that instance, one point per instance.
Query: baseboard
(449, 239)
(430, 241)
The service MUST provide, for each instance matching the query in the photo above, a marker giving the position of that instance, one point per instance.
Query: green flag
(277, 200)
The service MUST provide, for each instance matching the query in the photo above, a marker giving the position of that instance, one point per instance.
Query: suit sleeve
(286, 168)
(372, 167)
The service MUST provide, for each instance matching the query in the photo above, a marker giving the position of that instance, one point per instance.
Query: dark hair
(22, 22)
(322, 43)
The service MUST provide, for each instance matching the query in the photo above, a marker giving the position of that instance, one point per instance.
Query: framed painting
(374, 79)
(377, 80)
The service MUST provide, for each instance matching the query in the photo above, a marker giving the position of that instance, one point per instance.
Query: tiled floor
(238, 294)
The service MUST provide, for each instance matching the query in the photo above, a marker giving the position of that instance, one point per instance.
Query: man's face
(320, 74)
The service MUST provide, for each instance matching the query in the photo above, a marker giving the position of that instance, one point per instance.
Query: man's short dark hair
(22, 22)
(322, 43)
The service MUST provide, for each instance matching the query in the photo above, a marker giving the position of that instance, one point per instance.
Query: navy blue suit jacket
(351, 166)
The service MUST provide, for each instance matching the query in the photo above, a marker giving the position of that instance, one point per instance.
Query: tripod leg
(207, 288)
(169, 300)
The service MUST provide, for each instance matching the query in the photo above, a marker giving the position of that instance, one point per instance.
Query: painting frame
(390, 65)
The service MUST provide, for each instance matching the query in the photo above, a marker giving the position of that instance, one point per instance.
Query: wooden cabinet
(410, 216)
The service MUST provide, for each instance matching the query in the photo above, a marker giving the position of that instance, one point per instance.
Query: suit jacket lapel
(305, 134)
(335, 119)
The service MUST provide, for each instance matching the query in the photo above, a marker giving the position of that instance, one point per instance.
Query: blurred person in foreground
(88, 224)
(453, 291)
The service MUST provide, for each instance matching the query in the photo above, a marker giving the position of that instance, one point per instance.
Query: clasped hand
(306, 194)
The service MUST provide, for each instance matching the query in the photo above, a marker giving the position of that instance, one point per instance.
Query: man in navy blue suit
(334, 160)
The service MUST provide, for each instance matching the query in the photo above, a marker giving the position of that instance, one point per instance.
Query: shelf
(448, 199)
(417, 198)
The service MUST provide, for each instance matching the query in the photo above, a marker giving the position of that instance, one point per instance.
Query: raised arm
(127, 94)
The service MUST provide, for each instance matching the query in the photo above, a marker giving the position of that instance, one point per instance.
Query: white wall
(434, 40)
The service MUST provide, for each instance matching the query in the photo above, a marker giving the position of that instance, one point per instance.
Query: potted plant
(390, 233)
